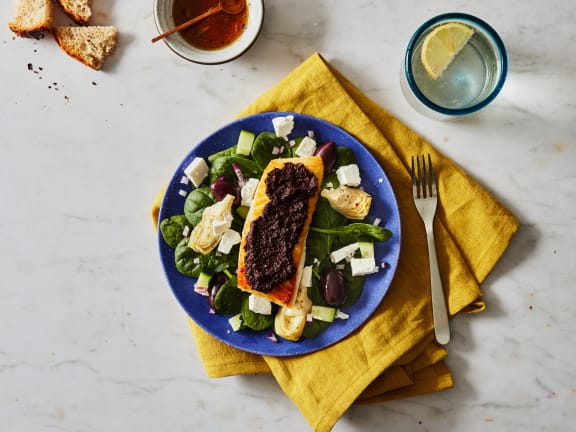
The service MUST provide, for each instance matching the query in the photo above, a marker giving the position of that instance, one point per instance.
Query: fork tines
(423, 179)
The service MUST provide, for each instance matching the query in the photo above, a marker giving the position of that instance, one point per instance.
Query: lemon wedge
(441, 45)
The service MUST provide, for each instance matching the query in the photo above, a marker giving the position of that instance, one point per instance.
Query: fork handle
(439, 310)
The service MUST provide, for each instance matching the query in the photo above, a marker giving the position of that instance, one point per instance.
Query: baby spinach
(196, 202)
(172, 229)
(254, 320)
(357, 230)
(228, 300)
(230, 151)
(354, 286)
(215, 262)
(186, 259)
(222, 167)
(344, 156)
(263, 148)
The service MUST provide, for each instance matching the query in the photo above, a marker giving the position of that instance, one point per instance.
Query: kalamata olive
(332, 286)
(222, 187)
(215, 284)
(327, 152)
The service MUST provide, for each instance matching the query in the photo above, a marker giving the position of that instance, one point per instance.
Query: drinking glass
(470, 82)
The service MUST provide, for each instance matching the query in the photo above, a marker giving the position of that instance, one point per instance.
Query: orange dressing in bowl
(216, 31)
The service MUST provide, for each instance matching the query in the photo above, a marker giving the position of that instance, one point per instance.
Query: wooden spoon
(232, 7)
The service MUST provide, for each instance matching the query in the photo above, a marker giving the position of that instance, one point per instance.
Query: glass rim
(476, 22)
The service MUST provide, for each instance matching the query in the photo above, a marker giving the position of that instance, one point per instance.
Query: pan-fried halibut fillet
(274, 234)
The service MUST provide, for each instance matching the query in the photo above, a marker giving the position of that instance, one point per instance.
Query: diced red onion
(185, 232)
(272, 337)
(311, 134)
(182, 193)
(184, 180)
(291, 143)
(201, 291)
(238, 172)
(377, 221)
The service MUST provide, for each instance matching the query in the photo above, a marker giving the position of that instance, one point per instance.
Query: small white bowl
(165, 21)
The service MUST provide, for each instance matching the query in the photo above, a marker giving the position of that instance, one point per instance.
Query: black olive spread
(275, 232)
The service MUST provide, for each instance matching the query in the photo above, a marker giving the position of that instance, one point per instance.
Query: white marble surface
(91, 338)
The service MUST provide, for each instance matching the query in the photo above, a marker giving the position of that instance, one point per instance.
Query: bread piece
(278, 290)
(32, 18)
(90, 45)
(79, 10)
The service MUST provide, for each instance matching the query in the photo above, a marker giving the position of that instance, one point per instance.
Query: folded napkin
(393, 355)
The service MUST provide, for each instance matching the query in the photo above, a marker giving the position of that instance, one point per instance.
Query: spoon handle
(188, 23)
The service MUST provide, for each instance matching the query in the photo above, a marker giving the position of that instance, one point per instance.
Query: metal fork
(425, 194)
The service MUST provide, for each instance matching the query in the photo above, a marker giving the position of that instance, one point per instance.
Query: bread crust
(32, 18)
(90, 45)
(79, 10)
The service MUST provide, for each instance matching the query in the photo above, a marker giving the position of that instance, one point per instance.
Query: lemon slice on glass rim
(441, 46)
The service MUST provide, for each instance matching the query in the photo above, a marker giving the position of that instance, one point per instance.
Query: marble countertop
(91, 339)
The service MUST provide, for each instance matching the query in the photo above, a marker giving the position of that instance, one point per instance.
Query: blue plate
(384, 206)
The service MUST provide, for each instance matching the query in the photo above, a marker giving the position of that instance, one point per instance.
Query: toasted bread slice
(79, 10)
(32, 18)
(90, 45)
(257, 263)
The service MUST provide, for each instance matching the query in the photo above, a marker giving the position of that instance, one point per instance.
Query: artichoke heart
(353, 203)
(204, 238)
(289, 322)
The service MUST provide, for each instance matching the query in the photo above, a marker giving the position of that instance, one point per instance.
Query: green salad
(206, 236)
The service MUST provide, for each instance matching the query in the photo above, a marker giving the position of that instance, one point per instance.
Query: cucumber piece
(245, 140)
(236, 322)
(366, 249)
(323, 313)
(203, 280)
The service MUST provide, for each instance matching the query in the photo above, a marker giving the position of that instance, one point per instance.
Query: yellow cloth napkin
(393, 354)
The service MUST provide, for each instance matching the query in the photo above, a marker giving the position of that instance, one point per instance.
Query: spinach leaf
(230, 151)
(344, 156)
(229, 298)
(196, 202)
(216, 263)
(325, 216)
(354, 285)
(254, 320)
(315, 328)
(357, 230)
(263, 146)
(318, 247)
(186, 259)
(172, 229)
(222, 167)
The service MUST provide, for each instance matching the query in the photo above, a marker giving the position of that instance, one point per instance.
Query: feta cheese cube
(349, 175)
(228, 240)
(259, 305)
(344, 252)
(307, 147)
(197, 171)
(283, 125)
(248, 190)
(363, 266)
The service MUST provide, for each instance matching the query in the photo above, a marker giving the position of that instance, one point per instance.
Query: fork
(425, 193)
